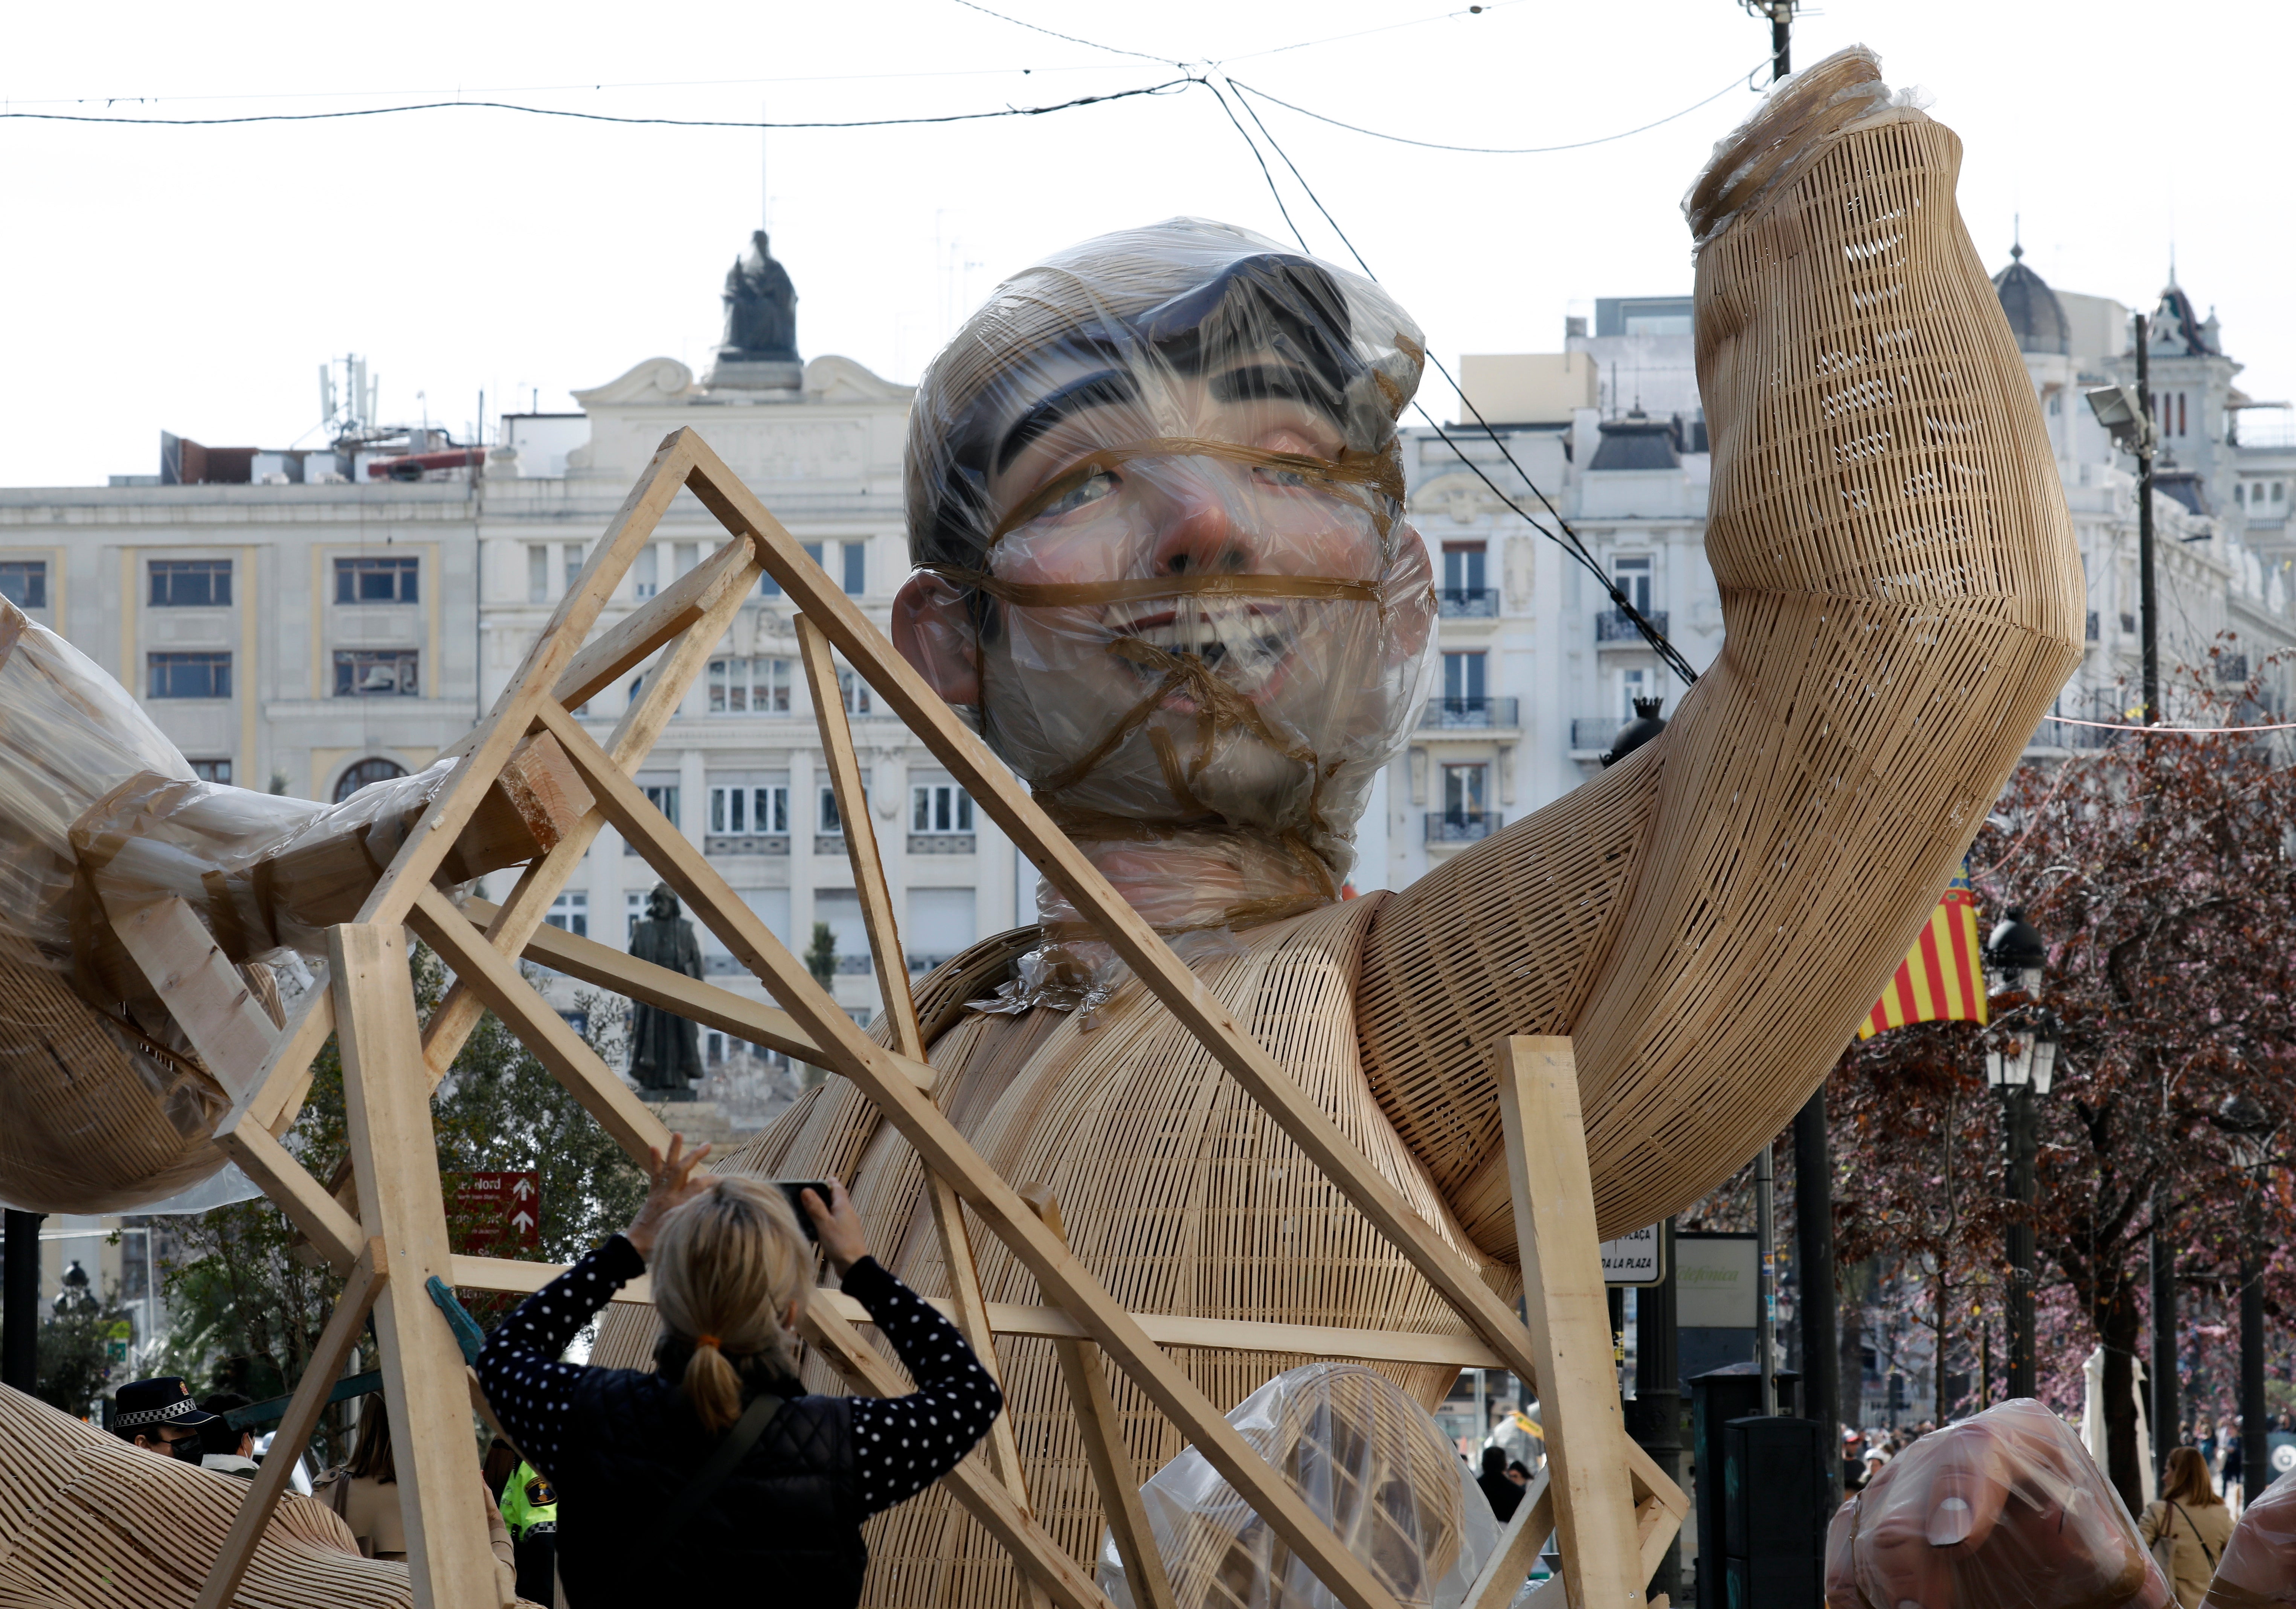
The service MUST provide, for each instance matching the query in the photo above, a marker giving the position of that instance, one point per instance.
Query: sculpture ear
(935, 635)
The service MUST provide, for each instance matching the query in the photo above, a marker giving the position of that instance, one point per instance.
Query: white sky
(194, 279)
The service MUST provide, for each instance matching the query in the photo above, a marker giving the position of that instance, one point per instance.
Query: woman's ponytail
(726, 1265)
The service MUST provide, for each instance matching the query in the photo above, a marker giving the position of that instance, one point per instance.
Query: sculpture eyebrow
(1260, 380)
(1103, 389)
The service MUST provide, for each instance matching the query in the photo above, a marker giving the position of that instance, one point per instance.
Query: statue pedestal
(734, 372)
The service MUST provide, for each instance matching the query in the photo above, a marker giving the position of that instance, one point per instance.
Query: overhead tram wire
(1569, 540)
(1242, 88)
(600, 116)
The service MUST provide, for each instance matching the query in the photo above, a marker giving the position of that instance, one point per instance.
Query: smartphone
(791, 1188)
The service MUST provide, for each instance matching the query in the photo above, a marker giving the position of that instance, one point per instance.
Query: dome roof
(2035, 315)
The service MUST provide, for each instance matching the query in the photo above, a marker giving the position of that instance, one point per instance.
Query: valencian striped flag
(1943, 978)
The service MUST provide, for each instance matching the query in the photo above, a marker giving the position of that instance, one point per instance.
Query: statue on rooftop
(760, 308)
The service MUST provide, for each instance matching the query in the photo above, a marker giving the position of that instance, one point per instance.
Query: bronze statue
(665, 1049)
(760, 308)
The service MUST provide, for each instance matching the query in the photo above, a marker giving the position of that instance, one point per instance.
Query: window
(190, 675)
(190, 583)
(828, 817)
(376, 581)
(633, 907)
(745, 809)
(688, 554)
(758, 687)
(2278, 487)
(646, 575)
(24, 582)
(1462, 568)
(366, 773)
(1463, 681)
(537, 575)
(376, 672)
(212, 770)
(571, 557)
(569, 913)
(855, 555)
(663, 797)
(1633, 576)
(1632, 684)
(1463, 790)
(856, 692)
(940, 806)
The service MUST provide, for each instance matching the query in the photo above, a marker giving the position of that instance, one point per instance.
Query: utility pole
(2148, 620)
(1821, 1358)
(1766, 1312)
(1780, 13)
(20, 1302)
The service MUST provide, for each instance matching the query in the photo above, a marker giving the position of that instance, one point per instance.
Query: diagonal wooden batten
(994, 790)
(496, 979)
(705, 1003)
(1103, 1434)
(730, 573)
(872, 1069)
(426, 846)
(277, 1093)
(207, 996)
(712, 590)
(520, 1278)
(1545, 1140)
(308, 1204)
(1043, 1562)
(1509, 1565)
(296, 1427)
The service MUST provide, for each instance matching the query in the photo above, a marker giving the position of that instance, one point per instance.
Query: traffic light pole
(2023, 1376)
(20, 1302)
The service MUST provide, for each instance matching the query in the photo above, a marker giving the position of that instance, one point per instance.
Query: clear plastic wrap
(104, 1106)
(1156, 496)
(1369, 1461)
(2259, 1567)
(2004, 1511)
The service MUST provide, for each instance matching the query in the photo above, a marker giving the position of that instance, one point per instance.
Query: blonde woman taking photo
(717, 1472)
(2192, 1516)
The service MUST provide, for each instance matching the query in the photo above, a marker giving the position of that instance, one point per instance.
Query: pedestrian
(1502, 1494)
(160, 1416)
(2189, 1523)
(364, 1495)
(2204, 1438)
(529, 1510)
(2234, 1470)
(223, 1445)
(717, 1472)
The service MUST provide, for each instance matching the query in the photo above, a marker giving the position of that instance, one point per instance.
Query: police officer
(529, 1508)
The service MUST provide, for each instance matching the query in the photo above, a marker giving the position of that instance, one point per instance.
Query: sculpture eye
(1091, 489)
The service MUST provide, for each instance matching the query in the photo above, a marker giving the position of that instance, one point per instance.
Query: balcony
(745, 843)
(1482, 714)
(1592, 734)
(1467, 602)
(1616, 626)
(941, 843)
(1462, 826)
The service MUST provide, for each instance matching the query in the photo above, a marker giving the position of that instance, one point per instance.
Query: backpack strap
(731, 1449)
(2205, 1550)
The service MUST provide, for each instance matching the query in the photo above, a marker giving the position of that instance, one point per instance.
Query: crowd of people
(715, 1470)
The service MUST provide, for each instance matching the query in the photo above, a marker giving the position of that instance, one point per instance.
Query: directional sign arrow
(521, 1219)
(521, 1186)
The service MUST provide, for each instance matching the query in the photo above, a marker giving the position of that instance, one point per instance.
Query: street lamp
(2125, 411)
(2020, 1060)
(2248, 1130)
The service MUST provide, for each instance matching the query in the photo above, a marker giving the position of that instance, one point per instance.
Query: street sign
(495, 1213)
(116, 1334)
(1633, 1259)
(1715, 1277)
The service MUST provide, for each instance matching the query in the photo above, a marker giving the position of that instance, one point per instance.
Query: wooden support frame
(391, 1063)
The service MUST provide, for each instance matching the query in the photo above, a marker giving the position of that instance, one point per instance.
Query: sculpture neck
(1185, 881)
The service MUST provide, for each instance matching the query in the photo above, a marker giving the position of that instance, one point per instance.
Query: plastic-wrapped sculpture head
(1156, 492)
(2004, 1511)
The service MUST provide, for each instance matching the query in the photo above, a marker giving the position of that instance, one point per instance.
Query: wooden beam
(387, 1105)
(428, 843)
(996, 790)
(201, 989)
(495, 979)
(945, 1151)
(1509, 1566)
(1089, 1399)
(525, 1278)
(341, 1334)
(308, 1204)
(1569, 1327)
(625, 974)
(1042, 1560)
(522, 916)
(729, 573)
(277, 1097)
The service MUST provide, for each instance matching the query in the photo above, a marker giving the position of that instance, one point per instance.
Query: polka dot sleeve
(530, 1391)
(903, 1444)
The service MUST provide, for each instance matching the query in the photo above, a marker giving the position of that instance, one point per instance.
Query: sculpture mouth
(1245, 644)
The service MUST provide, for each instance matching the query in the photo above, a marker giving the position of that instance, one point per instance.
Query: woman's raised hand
(674, 1185)
(837, 1225)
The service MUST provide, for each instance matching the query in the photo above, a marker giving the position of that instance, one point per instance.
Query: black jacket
(620, 1444)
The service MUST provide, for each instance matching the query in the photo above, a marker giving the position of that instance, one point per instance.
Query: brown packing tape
(1070, 594)
(1381, 472)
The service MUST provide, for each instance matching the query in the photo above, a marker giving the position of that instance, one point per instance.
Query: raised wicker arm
(1903, 600)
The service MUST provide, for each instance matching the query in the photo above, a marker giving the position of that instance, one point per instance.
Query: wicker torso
(1177, 1191)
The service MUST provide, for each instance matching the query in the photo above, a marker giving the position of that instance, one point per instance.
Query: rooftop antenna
(2016, 237)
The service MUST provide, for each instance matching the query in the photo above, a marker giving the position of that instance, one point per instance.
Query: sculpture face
(661, 905)
(1194, 605)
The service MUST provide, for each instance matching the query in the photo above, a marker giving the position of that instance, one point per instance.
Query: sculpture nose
(1196, 527)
